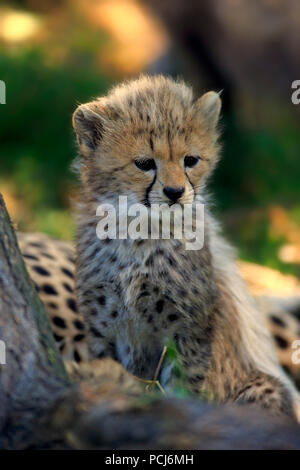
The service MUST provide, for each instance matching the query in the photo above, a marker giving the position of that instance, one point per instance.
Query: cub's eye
(190, 161)
(145, 164)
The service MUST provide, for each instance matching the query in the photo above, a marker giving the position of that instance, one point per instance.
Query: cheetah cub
(151, 141)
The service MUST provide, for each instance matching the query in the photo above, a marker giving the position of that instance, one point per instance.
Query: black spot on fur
(58, 337)
(96, 332)
(172, 317)
(79, 325)
(102, 300)
(114, 314)
(28, 256)
(37, 245)
(159, 306)
(72, 305)
(171, 261)
(94, 253)
(67, 287)
(182, 292)
(281, 342)
(149, 261)
(196, 379)
(67, 272)
(52, 305)
(47, 255)
(49, 290)
(76, 356)
(41, 271)
(151, 143)
(278, 321)
(78, 338)
(164, 273)
(58, 321)
(144, 294)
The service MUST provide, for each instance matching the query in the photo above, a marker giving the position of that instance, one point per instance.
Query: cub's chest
(145, 311)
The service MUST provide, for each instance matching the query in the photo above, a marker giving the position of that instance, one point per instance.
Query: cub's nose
(173, 193)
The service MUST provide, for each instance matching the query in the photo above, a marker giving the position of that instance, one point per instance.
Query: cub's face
(155, 145)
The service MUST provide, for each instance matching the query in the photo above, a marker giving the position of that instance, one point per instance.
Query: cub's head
(149, 140)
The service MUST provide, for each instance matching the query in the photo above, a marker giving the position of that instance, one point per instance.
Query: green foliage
(35, 125)
(37, 142)
(259, 168)
(179, 387)
(260, 165)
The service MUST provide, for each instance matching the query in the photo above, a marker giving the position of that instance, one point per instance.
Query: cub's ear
(208, 109)
(88, 123)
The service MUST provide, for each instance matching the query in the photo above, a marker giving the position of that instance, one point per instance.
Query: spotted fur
(136, 295)
(51, 255)
(51, 264)
(281, 316)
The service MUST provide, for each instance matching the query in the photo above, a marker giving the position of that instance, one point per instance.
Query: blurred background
(55, 54)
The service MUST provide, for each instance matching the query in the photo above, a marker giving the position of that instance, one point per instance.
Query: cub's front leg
(100, 306)
(218, 372)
